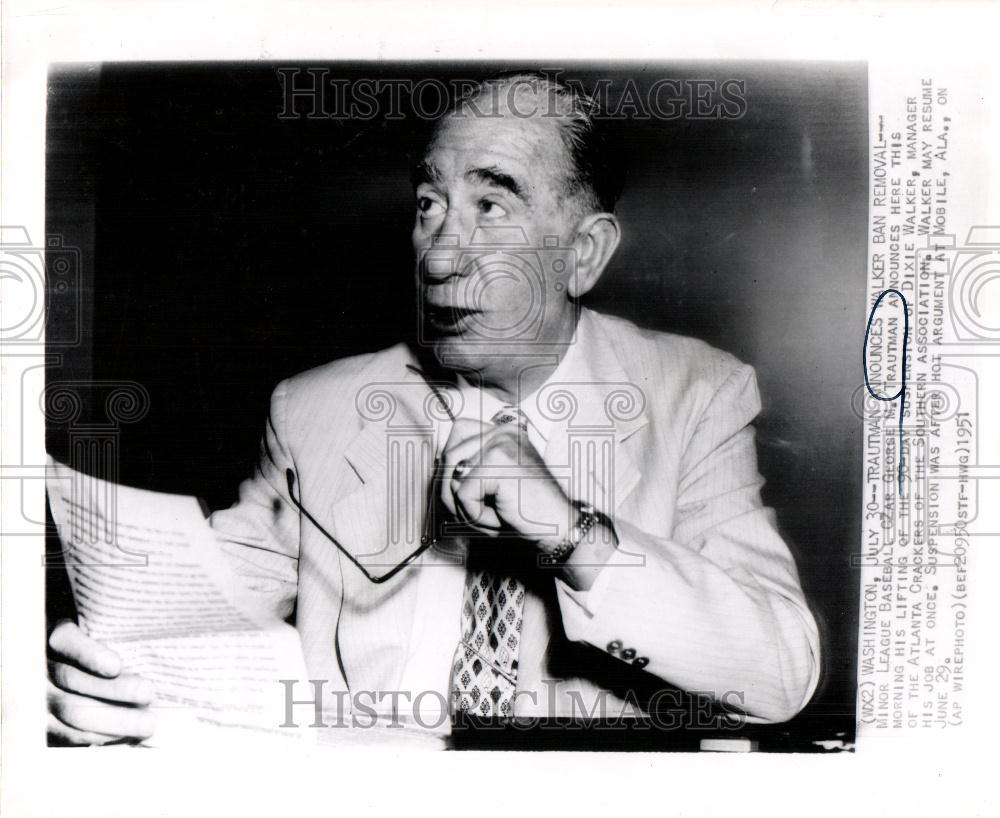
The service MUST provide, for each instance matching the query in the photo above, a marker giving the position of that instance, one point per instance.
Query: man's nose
(441, 257)
(452, 230)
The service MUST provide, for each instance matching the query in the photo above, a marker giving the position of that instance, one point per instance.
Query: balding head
(591, 173)
(513, 225)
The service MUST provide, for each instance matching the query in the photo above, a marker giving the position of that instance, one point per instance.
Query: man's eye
(491, 209)
(429, 207)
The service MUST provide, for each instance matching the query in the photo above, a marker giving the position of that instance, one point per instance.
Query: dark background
(220, 249)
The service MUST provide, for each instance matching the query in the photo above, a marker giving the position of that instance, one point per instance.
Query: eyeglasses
(427, 539)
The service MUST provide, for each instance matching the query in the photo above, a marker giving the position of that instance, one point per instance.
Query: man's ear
(597, 237)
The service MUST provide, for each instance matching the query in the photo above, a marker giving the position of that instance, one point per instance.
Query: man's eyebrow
(425, 173)
(497, 178)
(428, 173)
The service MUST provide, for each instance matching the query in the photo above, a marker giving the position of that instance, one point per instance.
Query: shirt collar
(481, 405)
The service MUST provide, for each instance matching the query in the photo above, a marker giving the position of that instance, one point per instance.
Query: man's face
(485, 184)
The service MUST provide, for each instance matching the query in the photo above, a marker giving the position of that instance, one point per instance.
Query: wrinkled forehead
(485, 132)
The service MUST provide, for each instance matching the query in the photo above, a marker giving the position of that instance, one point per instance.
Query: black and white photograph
(562, 408)
(522, 392)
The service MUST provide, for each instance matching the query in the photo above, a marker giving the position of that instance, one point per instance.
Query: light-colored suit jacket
(706, 597)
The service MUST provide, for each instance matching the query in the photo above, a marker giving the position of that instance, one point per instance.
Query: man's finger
(470, 494)
(127, 688)
(476, 450)
(468, 449)
(467, 454)
(71, 643)
(93, 716)
(63, 734)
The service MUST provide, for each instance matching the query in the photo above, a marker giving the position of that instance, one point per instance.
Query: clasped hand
(493, 479)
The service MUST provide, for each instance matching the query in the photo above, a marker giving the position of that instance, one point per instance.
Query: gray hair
(596, 169)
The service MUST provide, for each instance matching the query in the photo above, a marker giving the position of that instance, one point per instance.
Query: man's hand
(502, 482)
(90, 700)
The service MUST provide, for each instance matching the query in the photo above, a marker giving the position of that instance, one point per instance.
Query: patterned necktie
(484, 674)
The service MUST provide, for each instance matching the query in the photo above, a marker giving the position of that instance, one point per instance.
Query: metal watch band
(587, 518)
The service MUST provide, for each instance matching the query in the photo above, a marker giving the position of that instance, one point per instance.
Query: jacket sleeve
(714, 606)
(259, 534)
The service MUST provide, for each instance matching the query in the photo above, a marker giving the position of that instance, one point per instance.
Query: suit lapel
(597, 410)
(383, 492)
(378, 516)
(394, 449)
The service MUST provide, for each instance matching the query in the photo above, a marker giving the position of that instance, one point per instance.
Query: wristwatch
(587, 518)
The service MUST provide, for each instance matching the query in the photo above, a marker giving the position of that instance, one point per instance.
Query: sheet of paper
(151, 582)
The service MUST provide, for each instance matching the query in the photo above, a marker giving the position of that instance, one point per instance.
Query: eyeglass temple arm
(424, 545)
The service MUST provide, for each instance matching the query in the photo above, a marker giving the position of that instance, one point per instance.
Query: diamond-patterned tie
(484, 674)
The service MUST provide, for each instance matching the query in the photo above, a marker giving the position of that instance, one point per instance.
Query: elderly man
(535, 509)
